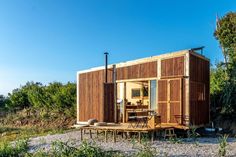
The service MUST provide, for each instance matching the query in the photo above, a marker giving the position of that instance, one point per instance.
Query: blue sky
(49, 40)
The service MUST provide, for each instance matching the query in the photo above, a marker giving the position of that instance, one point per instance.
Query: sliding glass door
(153, 94)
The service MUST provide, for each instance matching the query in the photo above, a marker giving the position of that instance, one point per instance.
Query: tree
(2, 101)
(18, 99)
(225, 33)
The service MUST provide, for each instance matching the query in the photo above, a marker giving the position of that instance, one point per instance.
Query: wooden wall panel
(185, 112)
(144, 70)
(91, 96)
(175, 113)
(199, 90)
(162, 100)
(162, 111)
(162, 90)
(109, 102)
(175, 100)
(199, 69)
(175, 90)
(170, 100)
(172, 67)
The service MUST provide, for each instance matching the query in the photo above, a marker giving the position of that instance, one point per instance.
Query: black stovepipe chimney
(106, 60)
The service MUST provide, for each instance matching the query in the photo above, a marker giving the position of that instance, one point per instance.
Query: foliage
(18, 100)
(2, 101)
(8, 134)
(54, 97)
(175, 140)
(217, 82)
(226, 35)
(64, 149)
(222, 145)
(192, 133)
(146, 150)
(18, 149)
(223, 77)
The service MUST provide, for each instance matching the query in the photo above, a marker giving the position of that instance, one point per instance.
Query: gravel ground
(204, 146)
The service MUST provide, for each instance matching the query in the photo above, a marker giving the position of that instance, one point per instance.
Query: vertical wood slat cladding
(175, 90)
(175, 98)
(175, 113)
(162, 111)
(184, 94)
(91, 95)
(162, 100)
(169, 94)
(93, 92)
(109, 102)
(172, 67)
(199, 90)
(143, 70)
(162, 90)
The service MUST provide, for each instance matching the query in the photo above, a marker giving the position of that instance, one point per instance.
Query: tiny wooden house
(175, 85)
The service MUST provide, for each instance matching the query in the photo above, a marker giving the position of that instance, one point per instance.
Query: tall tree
(225, 33)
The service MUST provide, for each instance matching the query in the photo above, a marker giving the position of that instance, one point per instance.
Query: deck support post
(152, 136)
(105, 135)
(139, 137)
(90, 134)
(97, 133)
(126, 135)
(81, 134)
(114, 136)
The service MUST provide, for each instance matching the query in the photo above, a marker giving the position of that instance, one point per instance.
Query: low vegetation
(19, 148)
(66, 149)
(38, 99)
(35, 109)
(223, 145)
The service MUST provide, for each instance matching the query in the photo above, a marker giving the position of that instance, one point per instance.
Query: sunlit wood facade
(175, 85)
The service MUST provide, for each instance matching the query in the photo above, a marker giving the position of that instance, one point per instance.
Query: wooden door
(175, 100)
(109, 102)
(169, 100)
(162, 99)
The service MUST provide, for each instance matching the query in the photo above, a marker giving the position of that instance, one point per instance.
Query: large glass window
(153, 94)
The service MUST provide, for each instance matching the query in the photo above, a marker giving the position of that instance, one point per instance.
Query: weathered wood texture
(109, 102)
(170, 100)
(184, 104)
(172, 67)
(95, 97)
(91, 96)
(144, 70)
(162, 100)
(175, 101)
(199, 90)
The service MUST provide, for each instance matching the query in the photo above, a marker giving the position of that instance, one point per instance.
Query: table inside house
(136, 113)
(137, 120)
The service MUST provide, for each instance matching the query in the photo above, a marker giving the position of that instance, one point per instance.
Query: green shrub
(222, 145)
(146, 150)
(19, 148)
(86, 149)
(175, 140)
(192, 133)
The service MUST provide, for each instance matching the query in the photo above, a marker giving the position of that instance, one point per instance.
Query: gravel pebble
(206, 147)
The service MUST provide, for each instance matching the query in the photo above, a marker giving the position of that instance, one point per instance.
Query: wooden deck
(124, 128)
